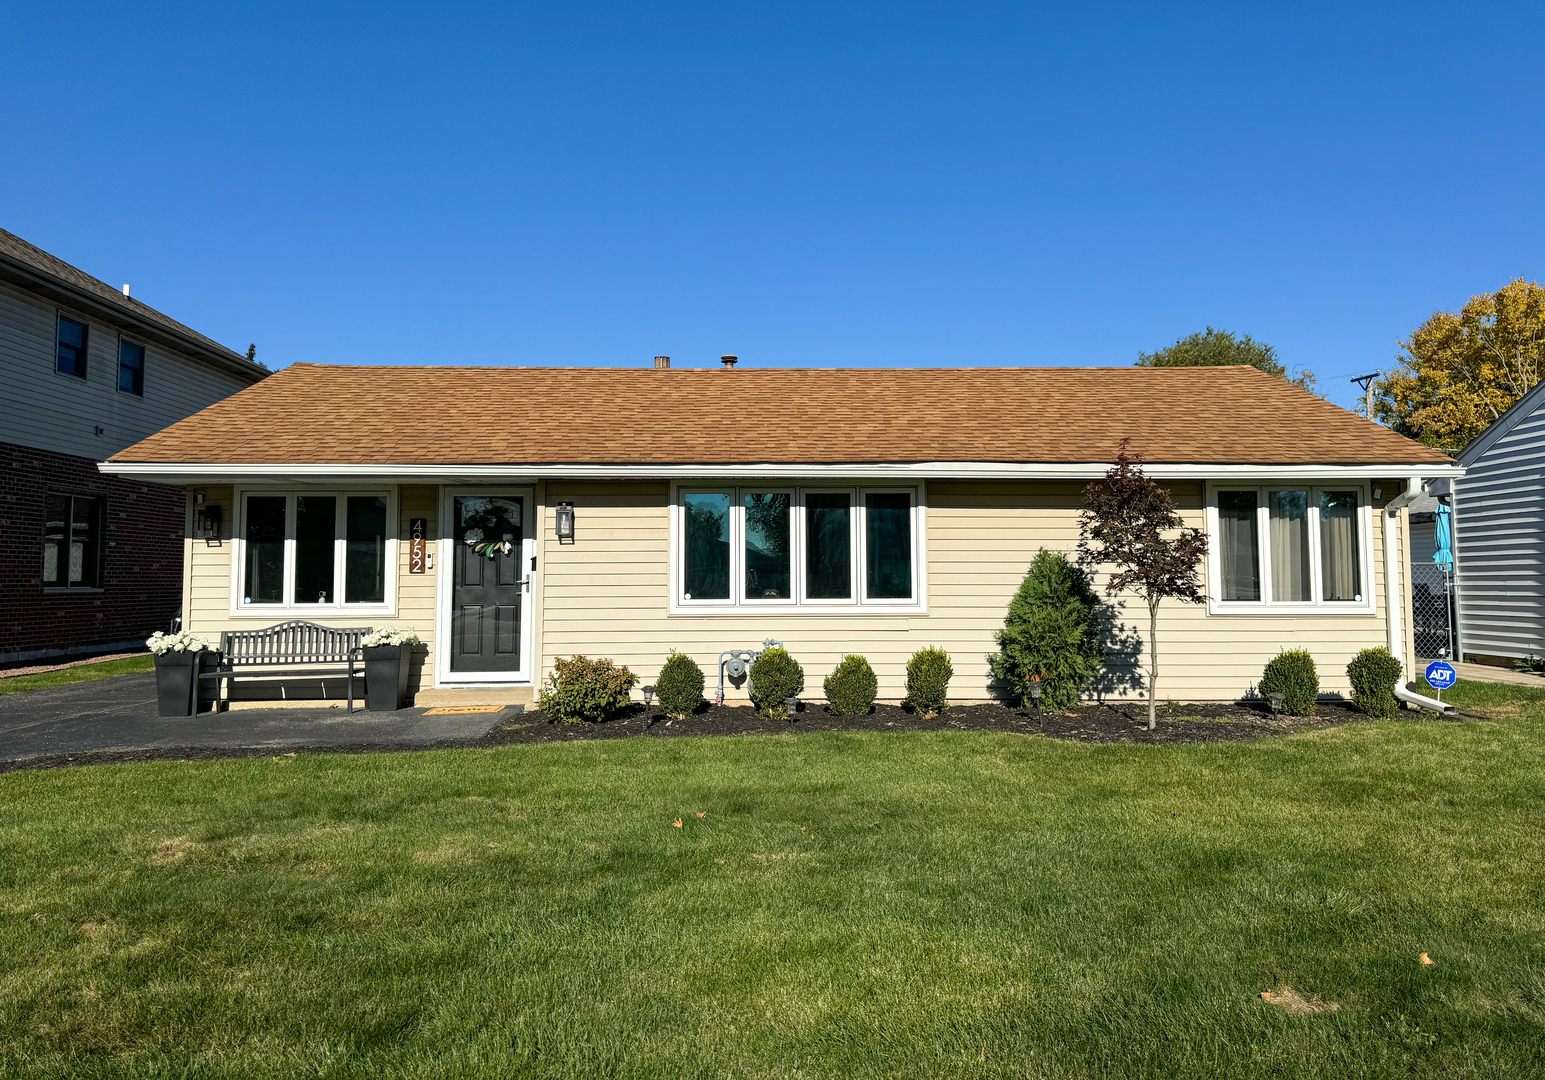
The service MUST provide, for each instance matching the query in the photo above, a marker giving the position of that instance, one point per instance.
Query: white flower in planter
(182, 641)
(390, 635)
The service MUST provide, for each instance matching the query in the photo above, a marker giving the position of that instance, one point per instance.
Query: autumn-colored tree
(1131, 523)
(1220, 348)
(1458, 373)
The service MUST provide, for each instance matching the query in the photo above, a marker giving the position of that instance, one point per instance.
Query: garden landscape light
(1276, 701)
(648, 695)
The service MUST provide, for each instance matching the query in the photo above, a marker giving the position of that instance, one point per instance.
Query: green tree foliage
(775, 675)
(928, 681)
(1458, 373)
(583, 689)
(1052, 634)
(1292, 674)
(1131, 523)
(680, 686)
(1374, 674)
(851, 687)
(1220, 348)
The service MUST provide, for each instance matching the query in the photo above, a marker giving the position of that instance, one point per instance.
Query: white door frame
(445, 554)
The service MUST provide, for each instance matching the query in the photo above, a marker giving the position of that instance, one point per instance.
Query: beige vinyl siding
(607, 594)
(207, 608)
(50, 411)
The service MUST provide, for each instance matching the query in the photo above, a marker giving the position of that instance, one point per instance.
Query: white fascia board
(195, 473)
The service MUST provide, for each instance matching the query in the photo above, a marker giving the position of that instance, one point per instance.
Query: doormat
(462, 710)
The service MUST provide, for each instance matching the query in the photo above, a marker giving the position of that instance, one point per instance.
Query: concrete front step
(474, 695)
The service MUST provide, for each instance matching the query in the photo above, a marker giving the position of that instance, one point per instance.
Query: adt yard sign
(1440, 676)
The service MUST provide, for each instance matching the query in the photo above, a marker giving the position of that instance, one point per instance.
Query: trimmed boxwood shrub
(1292, 672)
(583, 689)
(680, 686)
(851, 688)
(1052, 633)
(1374, 674)
(775, 675)
(928, 681)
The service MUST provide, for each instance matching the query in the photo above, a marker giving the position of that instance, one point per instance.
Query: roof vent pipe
(662, 362)
(728, 360)
(125, 289)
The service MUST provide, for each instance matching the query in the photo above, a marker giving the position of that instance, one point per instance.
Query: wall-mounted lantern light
(563, 522)
(206, 522)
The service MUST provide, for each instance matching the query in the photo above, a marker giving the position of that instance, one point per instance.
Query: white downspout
(1394, 602)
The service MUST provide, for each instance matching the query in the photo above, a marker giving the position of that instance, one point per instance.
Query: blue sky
(804, 185)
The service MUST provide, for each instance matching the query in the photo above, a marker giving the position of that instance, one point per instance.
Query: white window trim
(289, 609)
(859, 605)
(1266, 605)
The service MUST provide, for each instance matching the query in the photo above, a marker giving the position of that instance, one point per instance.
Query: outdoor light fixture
(206, 523)
(563, 522)
(1276, 701)
(648, 695)
(790, 704)
(1035, 694)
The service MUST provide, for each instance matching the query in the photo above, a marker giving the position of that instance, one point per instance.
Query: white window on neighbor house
(314, 551)
(1291, 547)
(796, 548)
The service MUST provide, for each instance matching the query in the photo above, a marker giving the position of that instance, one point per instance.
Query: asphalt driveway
(120, 714)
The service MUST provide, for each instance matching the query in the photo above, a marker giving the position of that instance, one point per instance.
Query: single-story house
(515, 515)
(1499, 537)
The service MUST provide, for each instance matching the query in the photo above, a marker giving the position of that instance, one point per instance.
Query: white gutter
(196, 472)
(1394, 602)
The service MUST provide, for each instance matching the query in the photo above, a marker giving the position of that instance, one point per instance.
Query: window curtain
(1238, 544)
(1290, 546)
(1339, 571)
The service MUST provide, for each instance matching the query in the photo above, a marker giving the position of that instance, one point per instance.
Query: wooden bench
(300, 649)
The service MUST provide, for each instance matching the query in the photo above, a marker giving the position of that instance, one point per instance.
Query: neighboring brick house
(87, 561)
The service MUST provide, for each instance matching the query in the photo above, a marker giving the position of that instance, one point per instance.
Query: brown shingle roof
(323, 414)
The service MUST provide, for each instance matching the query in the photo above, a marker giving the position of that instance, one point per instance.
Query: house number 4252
(417, 527)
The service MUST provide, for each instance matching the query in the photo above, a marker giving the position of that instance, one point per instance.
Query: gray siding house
(1499, 537)
(90, 562)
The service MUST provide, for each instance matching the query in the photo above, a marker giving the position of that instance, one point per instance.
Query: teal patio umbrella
(1442, 537)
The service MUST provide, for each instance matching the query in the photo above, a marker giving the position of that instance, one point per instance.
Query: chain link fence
(1432, 610)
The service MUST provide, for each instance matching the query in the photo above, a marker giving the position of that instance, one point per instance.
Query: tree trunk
(1153, 664)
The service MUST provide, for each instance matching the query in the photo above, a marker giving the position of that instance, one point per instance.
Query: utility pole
(1366, 382)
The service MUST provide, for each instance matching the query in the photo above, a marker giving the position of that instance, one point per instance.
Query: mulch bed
(1125, 722)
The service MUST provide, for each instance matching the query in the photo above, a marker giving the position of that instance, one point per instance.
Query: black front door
(488, 583)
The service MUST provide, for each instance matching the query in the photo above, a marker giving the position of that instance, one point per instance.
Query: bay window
(797, 548)
(313, 551)
(1292, 547)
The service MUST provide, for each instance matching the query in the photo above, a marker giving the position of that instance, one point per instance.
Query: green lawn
(910, 905)
(77, 673)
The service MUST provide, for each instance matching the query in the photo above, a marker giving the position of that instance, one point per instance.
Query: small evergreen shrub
(1374, 674)
(1052, 633)
(680, 686)
(582, 689)
(1292, 672)
(775, 675)
(928, 681)
(851, 688)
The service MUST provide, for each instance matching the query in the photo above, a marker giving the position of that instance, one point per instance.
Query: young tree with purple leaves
(1129, 522)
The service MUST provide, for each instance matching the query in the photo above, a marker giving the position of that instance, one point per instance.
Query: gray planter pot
(386, 677)
(177, 682)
